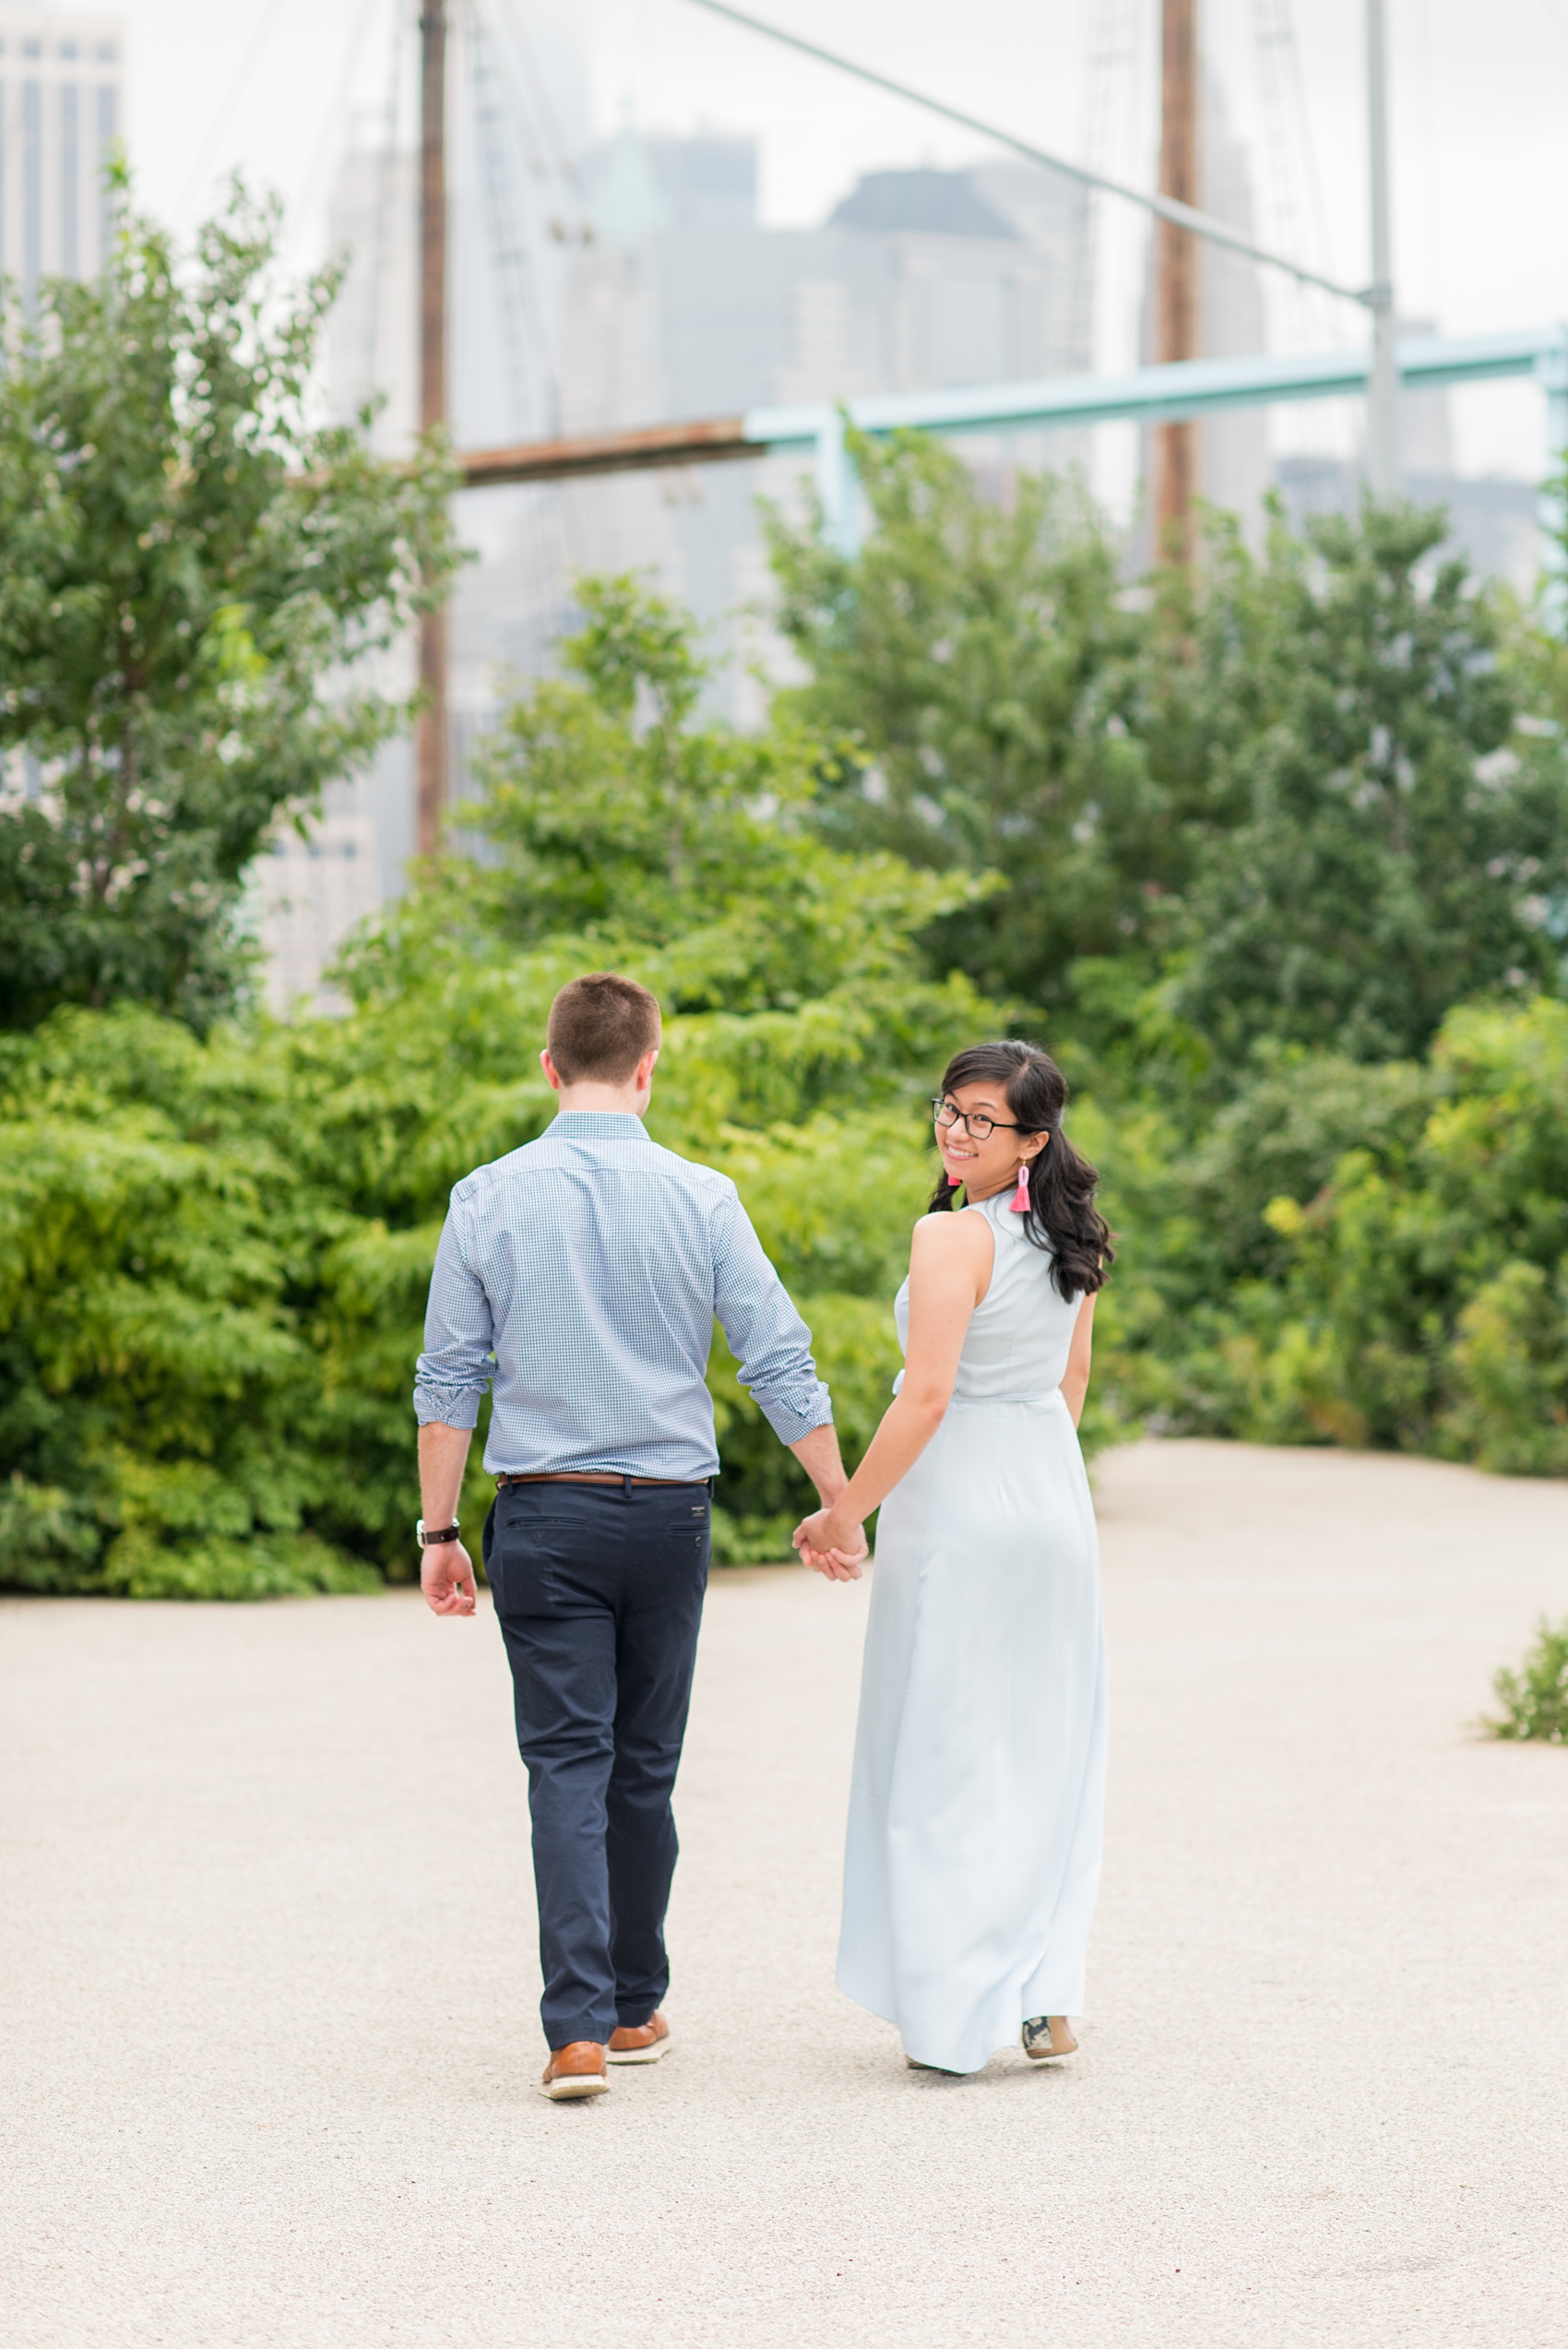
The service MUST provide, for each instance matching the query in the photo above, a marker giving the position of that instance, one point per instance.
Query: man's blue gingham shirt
(581, 1275)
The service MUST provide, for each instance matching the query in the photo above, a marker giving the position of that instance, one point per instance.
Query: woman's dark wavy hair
(1062, 1216)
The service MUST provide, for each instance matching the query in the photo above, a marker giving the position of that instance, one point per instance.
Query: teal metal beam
(1149, 394)
(1191, 388)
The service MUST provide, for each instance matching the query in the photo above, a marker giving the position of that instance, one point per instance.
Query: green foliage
(214, 1251)
(1252, 836)
(1407, 1283)
(1313, 799)
(977, 664)
(1535, 1699)
(800, 1031)
(1398, 843)
(168, 1286)
(1286, 847)
(188, 561)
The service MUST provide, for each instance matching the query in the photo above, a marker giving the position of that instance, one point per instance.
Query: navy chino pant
(599, 1592)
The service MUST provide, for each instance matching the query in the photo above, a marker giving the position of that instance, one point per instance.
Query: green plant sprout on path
(1535, 1699)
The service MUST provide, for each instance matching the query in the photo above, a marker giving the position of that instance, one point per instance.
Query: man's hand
(446, 1577)
(833, 1546)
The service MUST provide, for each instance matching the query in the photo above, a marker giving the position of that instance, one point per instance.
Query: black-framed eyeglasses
(979, 1127)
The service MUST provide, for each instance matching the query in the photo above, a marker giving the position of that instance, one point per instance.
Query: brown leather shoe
(576, 2071)
(642, 2042)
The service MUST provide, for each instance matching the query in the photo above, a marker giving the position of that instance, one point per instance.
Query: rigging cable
(1165, 208)
(1113, 47)
(509, 258)
(388, 202)
(329, 146)
(218, 122)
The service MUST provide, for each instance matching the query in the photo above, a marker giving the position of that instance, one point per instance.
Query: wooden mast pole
(1176, 271)
(432, 731)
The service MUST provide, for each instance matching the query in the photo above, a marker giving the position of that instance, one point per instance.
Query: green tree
(1318, 797)
(188, 563)
(1407, 1286)
(214, 1250)
(1389, 818)
(979, 662)
(804, 1030)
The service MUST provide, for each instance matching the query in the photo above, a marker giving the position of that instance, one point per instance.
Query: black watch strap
(432, 1537)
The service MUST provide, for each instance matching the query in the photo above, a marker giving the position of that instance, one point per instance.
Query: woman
(975, 1811)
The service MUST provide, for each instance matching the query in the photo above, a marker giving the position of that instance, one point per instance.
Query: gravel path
(269, 2030)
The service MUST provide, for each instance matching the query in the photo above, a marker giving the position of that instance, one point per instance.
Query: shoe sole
(653, 2054)
(574, 2087)
(1049, 2054)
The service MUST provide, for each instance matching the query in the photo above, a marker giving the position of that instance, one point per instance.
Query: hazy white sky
(1480, 125)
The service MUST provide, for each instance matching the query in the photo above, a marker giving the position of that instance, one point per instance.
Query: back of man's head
(599, 1028)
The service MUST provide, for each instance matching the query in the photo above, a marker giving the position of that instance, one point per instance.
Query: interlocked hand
(832, 1546)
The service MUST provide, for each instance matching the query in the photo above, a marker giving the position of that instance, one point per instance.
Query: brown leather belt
(600, 1476)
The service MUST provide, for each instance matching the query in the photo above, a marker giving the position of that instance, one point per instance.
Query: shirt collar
(598, 1126)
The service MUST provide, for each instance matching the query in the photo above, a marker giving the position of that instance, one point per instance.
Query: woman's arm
(1076, 1377)
(950, 1262)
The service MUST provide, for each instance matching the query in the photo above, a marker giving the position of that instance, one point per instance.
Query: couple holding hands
(579, 1279)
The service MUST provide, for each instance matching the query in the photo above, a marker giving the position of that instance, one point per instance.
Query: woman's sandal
(1047, 2035)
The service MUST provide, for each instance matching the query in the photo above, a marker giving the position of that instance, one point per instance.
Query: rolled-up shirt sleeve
(457, 1365)
(767, 1335)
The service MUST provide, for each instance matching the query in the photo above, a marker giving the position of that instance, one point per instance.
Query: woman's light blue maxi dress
(976, 1807)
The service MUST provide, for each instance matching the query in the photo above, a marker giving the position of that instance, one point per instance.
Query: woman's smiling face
(984, 1167)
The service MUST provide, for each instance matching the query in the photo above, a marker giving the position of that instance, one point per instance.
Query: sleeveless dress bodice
(1020, 1333)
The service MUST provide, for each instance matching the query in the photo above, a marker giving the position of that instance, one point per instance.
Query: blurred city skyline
(278, 88)
(654, 213)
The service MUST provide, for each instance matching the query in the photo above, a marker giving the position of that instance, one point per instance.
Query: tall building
(685, 305)
(61, 109)
(1494, 523)
(517, 113)
(636, 287)
(307, 892)
(309, 889)
(60, 114)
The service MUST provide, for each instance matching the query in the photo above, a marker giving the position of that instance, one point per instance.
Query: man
(580, 1276)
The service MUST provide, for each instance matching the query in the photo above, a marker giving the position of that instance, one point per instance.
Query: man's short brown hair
(599, 1028)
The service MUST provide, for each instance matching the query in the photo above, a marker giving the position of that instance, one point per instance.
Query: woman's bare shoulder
(943, 1233)
(952, 1253)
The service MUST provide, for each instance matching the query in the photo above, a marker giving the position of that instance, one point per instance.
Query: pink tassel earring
(1021, 1196)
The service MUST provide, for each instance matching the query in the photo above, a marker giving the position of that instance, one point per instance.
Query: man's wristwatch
(432, 1537)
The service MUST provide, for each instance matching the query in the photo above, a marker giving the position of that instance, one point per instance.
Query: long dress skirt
(976, 1803)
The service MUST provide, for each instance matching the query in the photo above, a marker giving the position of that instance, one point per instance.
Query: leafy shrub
(51, 1544)
(1535, 1699)
(1509, 1365)
(1409, 1289)
(214, 1252)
